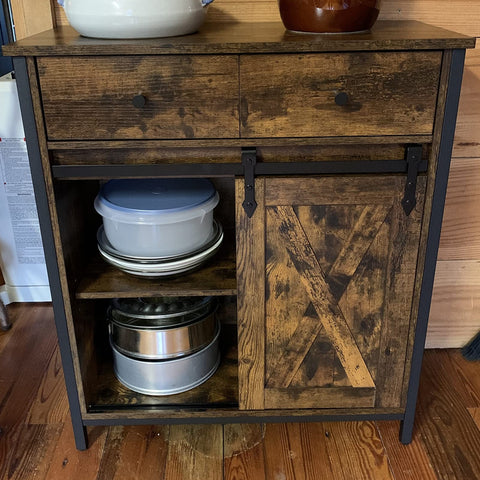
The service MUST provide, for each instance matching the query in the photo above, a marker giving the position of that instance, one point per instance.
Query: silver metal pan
(167, 377)
(184, 326)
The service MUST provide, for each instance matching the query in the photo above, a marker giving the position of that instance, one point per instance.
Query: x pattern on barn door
(339, 270)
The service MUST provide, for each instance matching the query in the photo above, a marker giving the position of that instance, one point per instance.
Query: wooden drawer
(186, 97)
(390, 93)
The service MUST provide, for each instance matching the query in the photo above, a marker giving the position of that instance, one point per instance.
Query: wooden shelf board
(217, 277)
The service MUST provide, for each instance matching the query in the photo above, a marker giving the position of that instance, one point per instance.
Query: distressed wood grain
(314, 397)
(26, 451)
(195, 452)
(302, 256)
(251, 298)
(379, 87)
(467, 131)
(333, 190)
(460, 238)
(68, 462)
(20, 380)
(407, 462)
(243, 451)
(138, 452)
(285, 366)
(444, 428)
(51, 403)
(296, 451)
(363, 301)
(186, 97)
(475, 413)
(455, 306)
(356, 451)
(398, 327)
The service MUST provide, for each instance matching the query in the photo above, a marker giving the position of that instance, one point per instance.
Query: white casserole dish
(157, 217)
(135, 18)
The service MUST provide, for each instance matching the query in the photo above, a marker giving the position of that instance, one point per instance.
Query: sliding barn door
(326, 271)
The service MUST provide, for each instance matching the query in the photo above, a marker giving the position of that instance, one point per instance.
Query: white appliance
(22, 258)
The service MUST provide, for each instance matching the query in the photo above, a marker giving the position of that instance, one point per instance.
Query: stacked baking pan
(163, 346)
(158, 227)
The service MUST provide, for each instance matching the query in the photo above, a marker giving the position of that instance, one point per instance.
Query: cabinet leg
(81, 438)
(4, 322)
(406, 431)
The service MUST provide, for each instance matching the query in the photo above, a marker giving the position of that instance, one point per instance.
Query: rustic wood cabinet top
(227, 38)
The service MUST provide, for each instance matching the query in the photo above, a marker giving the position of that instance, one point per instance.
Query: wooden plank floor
(36, 438)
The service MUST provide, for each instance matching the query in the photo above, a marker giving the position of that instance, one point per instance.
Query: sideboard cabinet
(331, 157)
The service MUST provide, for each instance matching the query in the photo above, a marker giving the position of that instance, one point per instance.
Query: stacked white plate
(156, 267)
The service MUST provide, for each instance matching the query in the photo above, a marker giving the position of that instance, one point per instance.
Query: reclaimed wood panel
(311, 276)
(217, 277)
(186, 97)
(363, 302)
(328, 397)
(401, 272)
(333, 190)
(320, 258)
(251, 298)
(388, 94)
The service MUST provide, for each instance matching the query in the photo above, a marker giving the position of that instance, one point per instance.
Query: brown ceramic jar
(329, 16)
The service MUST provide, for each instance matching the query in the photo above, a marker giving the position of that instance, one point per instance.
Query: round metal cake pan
(167, 377)
(164, 336)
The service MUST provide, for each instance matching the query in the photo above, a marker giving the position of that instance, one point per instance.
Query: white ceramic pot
(135, 18)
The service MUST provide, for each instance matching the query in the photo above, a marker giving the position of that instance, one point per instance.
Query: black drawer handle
(341, 99)
(139, 101)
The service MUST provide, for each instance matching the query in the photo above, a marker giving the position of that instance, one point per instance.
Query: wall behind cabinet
(455, 312)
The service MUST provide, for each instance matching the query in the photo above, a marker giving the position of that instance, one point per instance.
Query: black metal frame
(83, 172)
(95, 171)
(41, 198)
(6, 36)
(438, 203)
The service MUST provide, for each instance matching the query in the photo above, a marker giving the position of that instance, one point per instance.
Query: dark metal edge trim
(35, 159)
(227, 169)
(438, 203)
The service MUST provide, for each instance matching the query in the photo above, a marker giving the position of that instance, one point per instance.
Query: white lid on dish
(156, 201)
